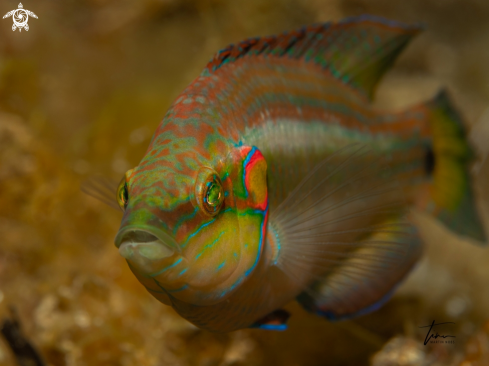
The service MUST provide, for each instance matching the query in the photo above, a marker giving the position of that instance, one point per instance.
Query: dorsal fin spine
(357, 50)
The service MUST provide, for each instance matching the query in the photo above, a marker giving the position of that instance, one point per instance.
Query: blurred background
(82, 92)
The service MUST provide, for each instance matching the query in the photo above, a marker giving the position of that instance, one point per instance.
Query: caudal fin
(452, 200)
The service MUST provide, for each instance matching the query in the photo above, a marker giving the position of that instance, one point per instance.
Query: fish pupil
(125, 195)
(213, 196)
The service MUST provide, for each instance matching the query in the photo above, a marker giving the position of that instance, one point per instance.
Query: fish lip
(164, 237)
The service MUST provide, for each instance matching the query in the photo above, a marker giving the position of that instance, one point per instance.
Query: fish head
(194, 234)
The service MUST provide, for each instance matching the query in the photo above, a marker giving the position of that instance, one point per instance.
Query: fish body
(272, 178)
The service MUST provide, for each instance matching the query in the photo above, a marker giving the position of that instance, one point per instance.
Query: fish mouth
(143, 245)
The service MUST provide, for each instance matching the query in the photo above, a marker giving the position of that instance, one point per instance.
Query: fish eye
(209, 192)
(122, 194)
(213, 196)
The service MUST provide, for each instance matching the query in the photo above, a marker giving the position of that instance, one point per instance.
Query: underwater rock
(401, 351)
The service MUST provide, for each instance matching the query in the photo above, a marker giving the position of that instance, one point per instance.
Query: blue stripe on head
(182, 272)
(209, 245)
(196, 232)
(220, 266)
(166, 268)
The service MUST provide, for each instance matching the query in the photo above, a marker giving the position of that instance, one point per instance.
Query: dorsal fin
(356, 50)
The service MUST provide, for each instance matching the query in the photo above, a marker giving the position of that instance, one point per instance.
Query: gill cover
(225, 249)
(249, 180)
(246, 178)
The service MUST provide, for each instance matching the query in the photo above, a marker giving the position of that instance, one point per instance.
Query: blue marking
(182, 272)
(253, 211)
(235, 255)
(184, 287)
(270, 326)
(196, 232)
(220, 266)
(259, 245)
(166, 268)
(209, 245)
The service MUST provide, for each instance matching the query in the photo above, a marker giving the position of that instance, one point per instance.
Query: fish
(273, 178)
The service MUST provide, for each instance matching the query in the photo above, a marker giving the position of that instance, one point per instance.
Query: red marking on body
(402, 124)
(256, 158)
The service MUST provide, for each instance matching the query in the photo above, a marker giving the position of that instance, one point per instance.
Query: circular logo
(20, 18)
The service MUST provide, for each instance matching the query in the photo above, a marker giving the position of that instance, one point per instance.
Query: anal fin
(365, 281)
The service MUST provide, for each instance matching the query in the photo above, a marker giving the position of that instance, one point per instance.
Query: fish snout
(145, 247)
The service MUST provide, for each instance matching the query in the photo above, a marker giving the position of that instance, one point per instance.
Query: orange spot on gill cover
(256, 179)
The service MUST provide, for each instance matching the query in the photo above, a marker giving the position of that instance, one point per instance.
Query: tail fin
(452, 200)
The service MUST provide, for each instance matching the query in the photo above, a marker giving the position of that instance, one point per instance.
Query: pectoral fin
(342, 234)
